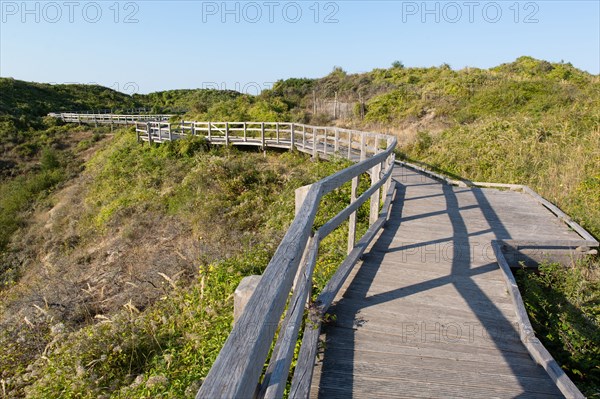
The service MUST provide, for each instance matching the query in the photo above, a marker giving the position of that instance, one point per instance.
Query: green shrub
(49, 159)
(563, 306)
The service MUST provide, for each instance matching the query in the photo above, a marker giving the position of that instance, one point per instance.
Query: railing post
(375, 177)
(292, 137)
(300, 193)
(245, 132)
(390, 163)
(193, 128)
(226, 133)
(352, 218)
(300, 196)
(137, 132)
(262, 134)
(363, 148)
(377, 141)
(314, 149)
(277, 132)
(349, 144)
(242, 295)
(325, 141)
(303, 137)
(209, 131)
(149, 132)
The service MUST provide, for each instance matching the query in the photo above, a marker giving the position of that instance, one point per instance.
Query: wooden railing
(280, 304)
(315, 140)
(106, 119)
(238, 369)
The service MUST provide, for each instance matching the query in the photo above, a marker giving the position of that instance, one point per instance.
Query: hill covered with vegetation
(116, 282)
(115, 278)
(527, 122)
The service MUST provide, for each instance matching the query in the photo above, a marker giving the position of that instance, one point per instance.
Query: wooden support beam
(301, 194)
(226, 133)
(363, 148)
(352, 218)
(149, 132)
(336, 143)
(374, 206)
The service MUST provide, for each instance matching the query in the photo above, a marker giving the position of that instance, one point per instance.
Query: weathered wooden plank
(508, 367)
(416, 328)
(276, 376)
(455, 307)
(478, 380)
(352, 217)
(301, 381)
(348, 340)
(340, 386)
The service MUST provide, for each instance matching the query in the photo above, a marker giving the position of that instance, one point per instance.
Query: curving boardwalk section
(427, 314)
(431, 310)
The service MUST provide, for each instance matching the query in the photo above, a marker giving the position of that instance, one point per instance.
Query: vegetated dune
(119, 260)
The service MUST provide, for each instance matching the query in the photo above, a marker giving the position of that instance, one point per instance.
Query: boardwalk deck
(427, 313)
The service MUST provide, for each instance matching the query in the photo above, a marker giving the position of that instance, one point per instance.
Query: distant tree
(338, 70)
(397, 64)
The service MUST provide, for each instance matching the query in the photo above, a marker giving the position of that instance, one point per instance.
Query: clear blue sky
(145, 46)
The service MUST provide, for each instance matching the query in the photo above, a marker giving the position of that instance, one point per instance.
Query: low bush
(563, 304)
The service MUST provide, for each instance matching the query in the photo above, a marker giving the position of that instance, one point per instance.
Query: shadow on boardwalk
(342, 375)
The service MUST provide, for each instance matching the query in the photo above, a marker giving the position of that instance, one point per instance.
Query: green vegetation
(564, 308)
(182, 101)
(160, 341)
(30, 99)
(161, 352)
(34, 162)
(116, 280)
(530, 122)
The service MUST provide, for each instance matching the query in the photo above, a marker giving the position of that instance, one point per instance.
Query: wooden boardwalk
(427, 313)
(431, 311)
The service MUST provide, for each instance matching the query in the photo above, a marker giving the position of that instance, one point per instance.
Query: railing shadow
(360, 285)
(489, 316)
